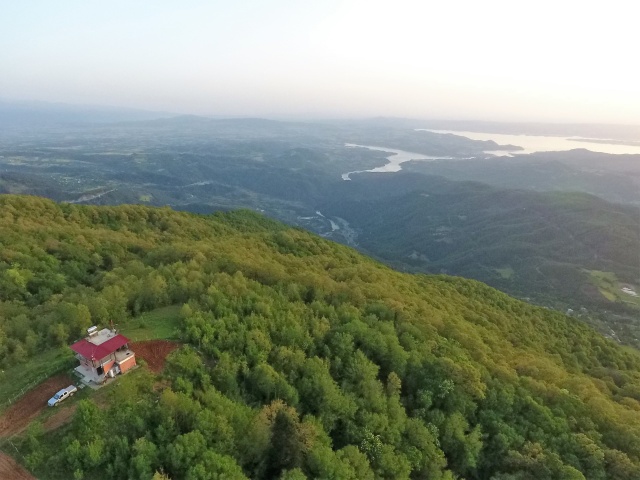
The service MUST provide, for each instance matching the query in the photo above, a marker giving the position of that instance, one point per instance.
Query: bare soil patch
(154, 352)
(12, 470)
(18, 416)
(59, 418)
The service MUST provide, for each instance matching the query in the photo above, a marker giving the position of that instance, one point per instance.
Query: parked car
(62, 395)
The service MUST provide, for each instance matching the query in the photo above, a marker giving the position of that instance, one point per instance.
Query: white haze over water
(529, 144)
(542, 143)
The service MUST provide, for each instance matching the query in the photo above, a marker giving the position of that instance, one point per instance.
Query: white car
(62, 395)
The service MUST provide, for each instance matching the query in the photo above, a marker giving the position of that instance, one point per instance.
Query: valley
(527, 231)
(338, 240)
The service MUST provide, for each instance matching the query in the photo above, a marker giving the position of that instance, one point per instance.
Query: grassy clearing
(19, 378)
(155, 325)
(606, 294)
(505, 272)
(127, 386)
(159, 324)
(124, 385)
(611, 288)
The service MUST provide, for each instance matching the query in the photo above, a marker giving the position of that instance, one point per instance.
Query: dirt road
(12, 470)
(18, 416)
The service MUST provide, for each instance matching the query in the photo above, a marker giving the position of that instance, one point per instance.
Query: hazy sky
(523, 60)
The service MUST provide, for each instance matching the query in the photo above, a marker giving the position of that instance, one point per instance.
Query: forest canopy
(304, 359)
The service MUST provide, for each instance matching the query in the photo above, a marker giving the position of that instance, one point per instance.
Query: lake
(394, 160)
(540, 143)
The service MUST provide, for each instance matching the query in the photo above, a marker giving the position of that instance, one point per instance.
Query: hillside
(554, 248)
(304, 359)
(290, 171)
(613, 178)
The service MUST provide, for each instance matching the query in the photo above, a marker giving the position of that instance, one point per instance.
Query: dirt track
(12, 470)
(154, 352)
(18, 416)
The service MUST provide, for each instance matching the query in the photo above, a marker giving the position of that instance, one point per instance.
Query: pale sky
(539, 60)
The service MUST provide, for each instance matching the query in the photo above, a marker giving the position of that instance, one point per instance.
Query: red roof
(98, 352)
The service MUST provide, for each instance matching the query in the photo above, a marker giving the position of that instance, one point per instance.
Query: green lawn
(161, 323)
(20, 378)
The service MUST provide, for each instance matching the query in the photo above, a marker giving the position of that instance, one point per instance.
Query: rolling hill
(530, 234)
(304, 359)
(548, 247)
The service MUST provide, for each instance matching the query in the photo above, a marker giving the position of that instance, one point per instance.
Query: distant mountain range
(34, 114)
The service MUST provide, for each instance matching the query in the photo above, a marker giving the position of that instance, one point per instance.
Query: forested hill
(305, 359)
(552, 247)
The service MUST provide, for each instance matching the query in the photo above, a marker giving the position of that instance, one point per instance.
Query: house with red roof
(103, 354)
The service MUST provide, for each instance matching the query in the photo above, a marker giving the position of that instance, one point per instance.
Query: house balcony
(122, 355)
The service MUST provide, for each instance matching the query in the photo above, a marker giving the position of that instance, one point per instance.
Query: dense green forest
(554, 247)
(304, 359)
(548, 247)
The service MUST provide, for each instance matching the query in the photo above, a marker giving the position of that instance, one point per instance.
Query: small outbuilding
(103, 354)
